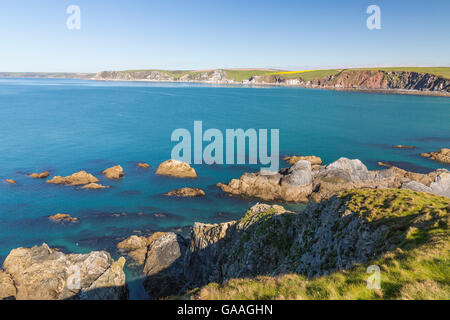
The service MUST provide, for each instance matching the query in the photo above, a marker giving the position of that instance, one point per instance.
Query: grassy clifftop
(419, 268)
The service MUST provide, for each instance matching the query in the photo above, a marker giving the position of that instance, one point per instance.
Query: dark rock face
(43, 273)
(269, 240)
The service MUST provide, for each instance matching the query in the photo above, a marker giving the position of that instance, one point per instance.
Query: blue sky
(202, 34)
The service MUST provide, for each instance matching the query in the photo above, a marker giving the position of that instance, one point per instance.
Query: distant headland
(405, 80)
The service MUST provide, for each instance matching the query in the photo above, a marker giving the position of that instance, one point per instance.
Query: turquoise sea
(65, 126)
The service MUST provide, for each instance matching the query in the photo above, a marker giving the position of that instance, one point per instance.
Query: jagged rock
(143, 165)
(442, 155)
(46, 274)
(186, 192)
(136, 247)
(312, 159)
(63, 217)
(164, 266)
(41, 175)
(350, 170)
(114, 172)
(299, 183)
(441, 184)
(75, 179)
(10, 181)
(176, 168)
(350, 228)
(94, 186)
(299, 174)
(7, 287)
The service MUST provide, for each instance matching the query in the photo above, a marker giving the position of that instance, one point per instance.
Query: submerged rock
(63, 217)
(186, 192)
(143, 165)
(10, 181)
(75, 179)
(94, 186)
(114, 172)
(42, 273)
(176, 168)
(443, 155)
(401, 146)
(41, 175)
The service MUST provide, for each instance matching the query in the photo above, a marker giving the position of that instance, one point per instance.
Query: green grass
(308, 75)
(418, 269)
(241, 75)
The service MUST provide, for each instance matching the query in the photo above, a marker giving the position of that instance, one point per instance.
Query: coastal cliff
(351, 228)
(346, 79)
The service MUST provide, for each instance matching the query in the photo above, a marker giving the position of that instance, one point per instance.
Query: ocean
(65, 126)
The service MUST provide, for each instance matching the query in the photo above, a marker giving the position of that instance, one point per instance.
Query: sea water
(65, 126)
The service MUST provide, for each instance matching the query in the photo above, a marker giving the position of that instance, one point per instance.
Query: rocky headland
(352, 227)
(346, 79)
(302, 182)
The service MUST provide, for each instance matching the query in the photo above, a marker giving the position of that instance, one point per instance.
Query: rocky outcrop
(312, 159)
(143, 165)
(176, 168)
(300, 183)
(186, 192)
(46, 274)
(352, 227)
(62, 217)
(11, 181)
(41, 175)
(114, 172)
(76, 179)
(94, 186)
(442, 155)
(294, 184)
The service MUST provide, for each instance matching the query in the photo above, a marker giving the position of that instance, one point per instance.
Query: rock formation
(11, 181)
(62, 217)
(94, 186)
(41, 175)
(401, 146)
(143, 165)
(46, 274)
(352, 227)
(442, 155)
(300, 183)
(114, 172)
(176, 168)
(76, 179)
(312, 159)
(186, 192)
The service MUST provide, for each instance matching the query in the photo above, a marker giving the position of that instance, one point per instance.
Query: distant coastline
(403, 80)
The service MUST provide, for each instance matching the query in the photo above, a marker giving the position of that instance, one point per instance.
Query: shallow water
(70, 125)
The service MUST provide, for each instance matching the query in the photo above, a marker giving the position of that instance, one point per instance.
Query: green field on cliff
(418, 269)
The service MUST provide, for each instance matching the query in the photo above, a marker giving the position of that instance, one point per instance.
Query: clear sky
(202, 34)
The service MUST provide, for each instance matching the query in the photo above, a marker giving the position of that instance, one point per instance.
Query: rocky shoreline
(331, 234)
(392, 82)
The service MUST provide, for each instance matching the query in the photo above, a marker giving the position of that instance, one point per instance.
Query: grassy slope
(420, 269)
